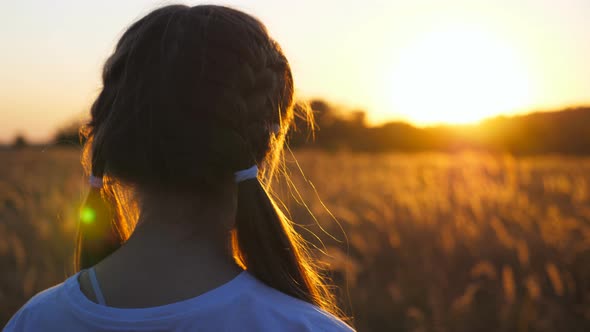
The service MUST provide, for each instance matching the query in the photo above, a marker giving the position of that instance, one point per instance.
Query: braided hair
(190, 96)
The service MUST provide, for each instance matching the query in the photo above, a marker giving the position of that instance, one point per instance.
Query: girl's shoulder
(284, 310)
(243, 304)
(45, 304)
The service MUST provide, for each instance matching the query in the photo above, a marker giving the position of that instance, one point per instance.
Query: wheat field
(414, 242)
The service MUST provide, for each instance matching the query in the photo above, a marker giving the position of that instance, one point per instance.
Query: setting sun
(422, 62)
(458, 75)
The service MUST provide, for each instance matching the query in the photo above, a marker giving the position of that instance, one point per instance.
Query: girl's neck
(168, 260)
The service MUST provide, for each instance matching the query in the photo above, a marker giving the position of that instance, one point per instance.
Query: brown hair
(190, 96)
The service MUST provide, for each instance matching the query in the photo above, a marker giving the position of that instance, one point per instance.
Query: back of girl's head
(190, 96)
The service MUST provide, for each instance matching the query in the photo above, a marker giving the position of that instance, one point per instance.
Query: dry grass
(40, 193)
(435, 242)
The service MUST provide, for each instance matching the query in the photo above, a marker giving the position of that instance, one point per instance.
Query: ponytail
(96, 236)
(266, 243)
(99, 228)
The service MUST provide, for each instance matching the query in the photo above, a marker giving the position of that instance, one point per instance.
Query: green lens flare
(87, 215)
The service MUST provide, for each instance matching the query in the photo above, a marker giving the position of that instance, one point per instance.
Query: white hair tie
(276, 128)
(95, 182)
(246, 174)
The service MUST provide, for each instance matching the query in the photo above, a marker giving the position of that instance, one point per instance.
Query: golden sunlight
(458, 75)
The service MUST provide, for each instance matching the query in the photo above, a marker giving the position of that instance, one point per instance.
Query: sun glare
(458, 75)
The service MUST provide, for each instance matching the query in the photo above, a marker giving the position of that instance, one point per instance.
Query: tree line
(556, 132)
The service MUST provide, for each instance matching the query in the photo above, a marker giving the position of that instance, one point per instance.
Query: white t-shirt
(242, 304)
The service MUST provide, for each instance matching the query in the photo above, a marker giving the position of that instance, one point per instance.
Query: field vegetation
(414, 242)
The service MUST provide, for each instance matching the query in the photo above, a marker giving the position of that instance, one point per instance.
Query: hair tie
(246, 174)
(276, 128)
(95, 182)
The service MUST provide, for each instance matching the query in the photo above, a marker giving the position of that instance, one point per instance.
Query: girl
(178, 232)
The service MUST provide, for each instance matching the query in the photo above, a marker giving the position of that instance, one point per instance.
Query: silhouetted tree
(69, 135)
(323, 112)
(20, 142)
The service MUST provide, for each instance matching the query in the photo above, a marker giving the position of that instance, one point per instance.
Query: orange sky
(425, 62)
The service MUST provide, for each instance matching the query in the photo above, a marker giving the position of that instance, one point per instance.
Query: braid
(260, 102)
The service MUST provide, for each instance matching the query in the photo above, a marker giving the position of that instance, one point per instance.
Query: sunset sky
(426, 62)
